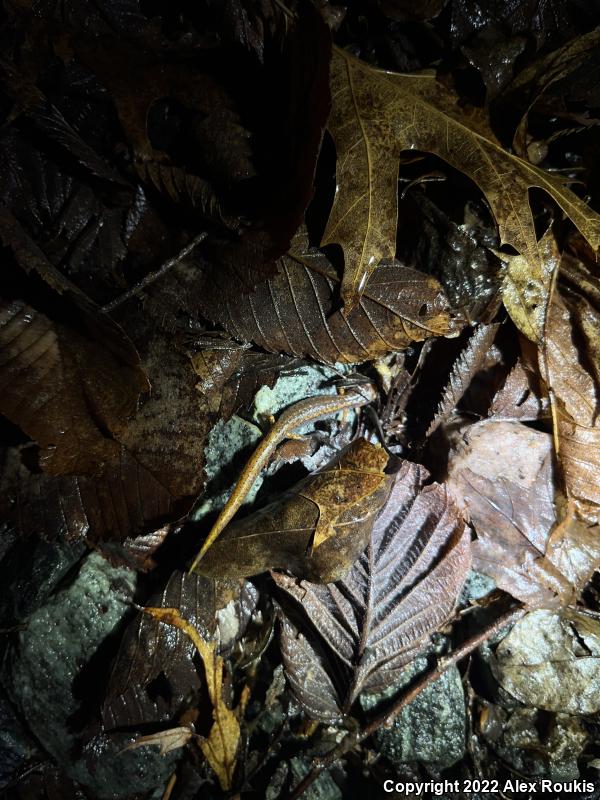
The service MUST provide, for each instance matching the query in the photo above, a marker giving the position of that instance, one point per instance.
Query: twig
(386, 717)
(586, 612)
(154, 276)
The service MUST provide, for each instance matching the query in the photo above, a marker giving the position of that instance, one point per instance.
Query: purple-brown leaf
(371, 624)
(504, 475)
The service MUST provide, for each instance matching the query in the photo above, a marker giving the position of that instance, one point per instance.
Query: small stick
(388, 715)
(154, 276)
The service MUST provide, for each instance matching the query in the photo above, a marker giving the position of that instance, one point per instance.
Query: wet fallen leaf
(221, 746)
(296, 311)
(466, 366)
(154, 676)
(552, 660)
(147, 476)
(63, 390)
(528, 287)
(209, 155)
(375, 116)
(503, 473)
(316, 529)
(521, 398)
(244, 373)
(571, 70)
(356, 635)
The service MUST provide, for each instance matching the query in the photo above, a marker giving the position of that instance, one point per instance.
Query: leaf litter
(199, 206)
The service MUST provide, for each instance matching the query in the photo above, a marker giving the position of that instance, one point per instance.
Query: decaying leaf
(316, 529)
(137, 551)
(244, 372)
(175, 404)
(147, 475)
(375, 116)
(296, 311)
(503, 473)
(154, 676)
(82, 231)
(62, 389)
(579, 287)
(221, 746)
(575, 62)
(551, 660)
(358, 633)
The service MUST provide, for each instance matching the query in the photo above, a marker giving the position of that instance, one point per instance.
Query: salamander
(312, 408)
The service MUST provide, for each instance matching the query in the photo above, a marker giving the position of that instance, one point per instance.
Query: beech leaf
(296, 311)
(375, 116)
(357, 634)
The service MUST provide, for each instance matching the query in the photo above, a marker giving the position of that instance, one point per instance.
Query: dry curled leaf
(375, 116)
(316, 529)
(296, 311)
(356, 635)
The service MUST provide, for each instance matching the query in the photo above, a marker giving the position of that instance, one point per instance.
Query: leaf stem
(384, 719)
(154, 276)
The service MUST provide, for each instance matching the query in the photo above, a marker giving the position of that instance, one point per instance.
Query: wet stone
(46, 662)
(431, 729)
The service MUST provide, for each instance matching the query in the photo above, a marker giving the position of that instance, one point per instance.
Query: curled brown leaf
(316, 529)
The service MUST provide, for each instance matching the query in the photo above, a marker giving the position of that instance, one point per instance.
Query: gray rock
(16, 746)
(554, 757)
(29, 572)
(323, 788)
(57, 642)
(476, 586)
(431, 729)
